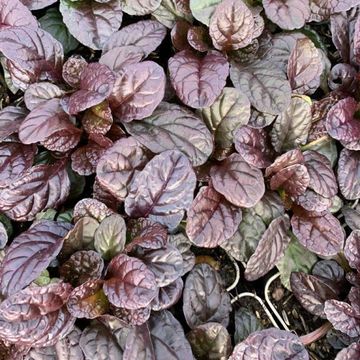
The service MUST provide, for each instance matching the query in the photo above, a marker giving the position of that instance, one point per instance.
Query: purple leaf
(39, 93)
(140, 7)
(352, 249)
(275, 343)
(168, 295)
(91, 23)
(321, 233)
(211, 220)
(98, 119)
(130, 284)
(92, 208)
(292, 157)
(138, 90)
(240, 183)
(231, 25)
(348, 174)
(11, 118)
(132, 317)
(72, 70)
(204, 297)
(29, 254)
(288, 15)
(39, 188)
(199, 38)
(270, 249)
(172, 127)
(163, 190)
(254, 146)
(14, 13)
(96, 84)
(340, 35)
(198, 81)
(37, 4)
(349, 353)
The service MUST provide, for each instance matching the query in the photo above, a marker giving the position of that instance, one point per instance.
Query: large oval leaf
(91, 23)
(198, 81)
(211, 220)
(231, 25)
(270, 249)
(138, 90)
(40, 92)
(348, 174)
(241, 184)
(264, 84)
(204, 297)
(172, 127)
(163, 190)
(29, 254)
(130, 284)
(11, 118)
(39, 188)
(14, 13)
(320, 233)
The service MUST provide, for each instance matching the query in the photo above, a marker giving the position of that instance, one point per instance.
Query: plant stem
(316, 334)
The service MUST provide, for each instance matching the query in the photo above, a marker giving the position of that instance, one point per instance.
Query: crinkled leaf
(168, 13)
(138, 90)
(14, 13)
(34, 51)
(29, 254)
(15, 159)
(291, 128)
(91, 23)
(96, 84)
(172, 127)
(264, 84)
(275, 343)
(229, 111)
(205, 299)
(130, 284)
(254, 146)
(351, 352)
(348, 174)
(40, 92)
(287, 15)
(231, 25)
(211, 219)
(146, 35)
(352, 249)
(36, 316)
(210, 341)
(304, 67)
(92, 208)
(269, 250)
(116, 167)
(320, 233)
(240, 183)
(163, 190)
(82, 265)
(132, 317)
(72, 69)
(39, 188)
(198, 81)
(98, 119)
(110, 236)
(88, 300)
(168, 295)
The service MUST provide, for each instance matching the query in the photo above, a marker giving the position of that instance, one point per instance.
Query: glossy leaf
(39, 93)
(264, 84)
(92, 208)
(205, 299)
(138, 90)
(348, 174)
(240, 183)
(172, 127)
(321, 233)
(168, 295)
(198, 81)
(130, 284)
(211, 219)
(269, 250)
(10, 119)
(97, 21)
(210, 341)
(39, 188)
(14, 13)
(163, 190)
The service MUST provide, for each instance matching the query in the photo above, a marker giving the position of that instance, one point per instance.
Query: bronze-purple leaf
(29, 254)
(211, 219)
(198, 81)
(96, 84)
(321, 233)
(39, 188)
(270, 249)
(163, 190)
(199, 38)
(205, 298)
(349, 353)
(240, 183)
(179, 35)
(40, 92)
(168, 295)
(92, 208)
(132, 317)
(11, 118)
(72, 70)
(291, 157)
(138, 90)
(348, 174)
(130, 284)
(352, 249)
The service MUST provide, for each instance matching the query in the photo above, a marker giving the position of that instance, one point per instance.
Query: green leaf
(168, 13)
(77, 183)
(48, 214)
(66, 216)
(7, 224)
(52, 23)
(202, 10)
(296, 259)
(245, 324)
(110, 236)
(43, 279)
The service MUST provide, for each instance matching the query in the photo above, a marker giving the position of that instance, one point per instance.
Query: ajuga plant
(140, 139)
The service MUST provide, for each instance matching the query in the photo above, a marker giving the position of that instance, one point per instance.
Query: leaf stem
(316, 334)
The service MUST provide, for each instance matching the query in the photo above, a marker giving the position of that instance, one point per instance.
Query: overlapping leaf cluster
(137, 133)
